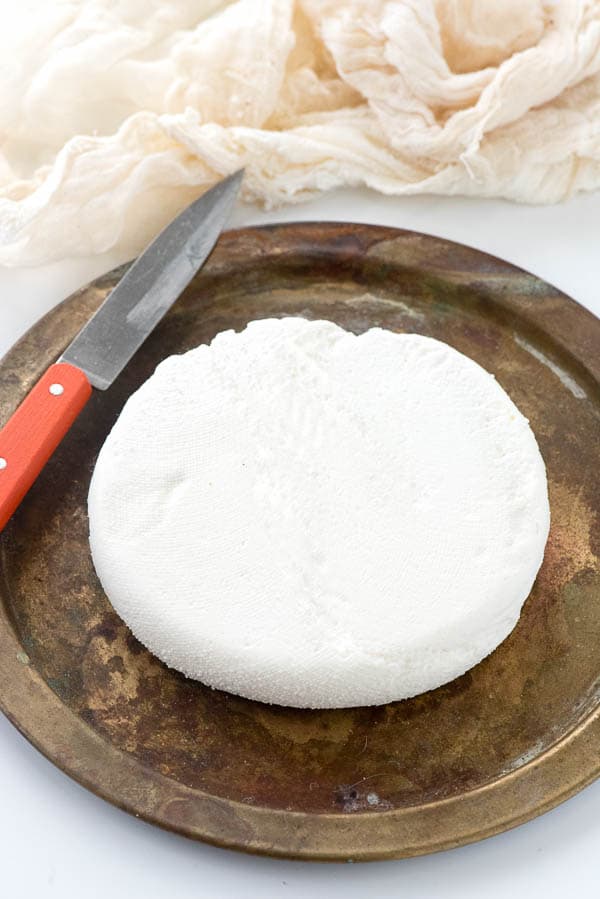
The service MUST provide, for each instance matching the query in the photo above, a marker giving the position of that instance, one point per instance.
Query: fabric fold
(115, 116)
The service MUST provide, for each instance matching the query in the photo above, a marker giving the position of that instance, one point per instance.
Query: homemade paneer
(304, 516)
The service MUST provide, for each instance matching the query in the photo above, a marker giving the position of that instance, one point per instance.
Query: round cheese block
(304, 516)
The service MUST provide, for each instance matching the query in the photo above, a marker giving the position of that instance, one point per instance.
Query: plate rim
(538, 785)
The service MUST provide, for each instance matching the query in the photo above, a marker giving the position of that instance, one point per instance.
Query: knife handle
(36, 428)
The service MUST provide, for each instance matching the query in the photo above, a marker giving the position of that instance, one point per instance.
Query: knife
(107, 342)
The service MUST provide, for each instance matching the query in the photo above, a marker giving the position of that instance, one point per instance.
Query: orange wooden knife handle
(37, 427)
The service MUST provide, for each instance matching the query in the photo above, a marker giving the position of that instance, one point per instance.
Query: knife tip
(237, 177)
(228, 186)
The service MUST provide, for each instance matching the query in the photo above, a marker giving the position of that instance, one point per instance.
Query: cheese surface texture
(307, 517)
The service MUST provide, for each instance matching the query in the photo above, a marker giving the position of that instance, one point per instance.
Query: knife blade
(110, 338)
(147, 291)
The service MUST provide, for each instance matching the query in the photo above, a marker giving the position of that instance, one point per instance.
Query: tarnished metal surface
(509, 739)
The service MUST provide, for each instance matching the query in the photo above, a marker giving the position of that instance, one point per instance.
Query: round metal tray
(508, 740)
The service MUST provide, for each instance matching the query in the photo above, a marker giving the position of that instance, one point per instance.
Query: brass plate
(511, 738)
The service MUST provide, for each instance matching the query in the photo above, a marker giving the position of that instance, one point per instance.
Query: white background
(58, 840)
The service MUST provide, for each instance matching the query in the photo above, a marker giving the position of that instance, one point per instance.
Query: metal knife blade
(147, 291)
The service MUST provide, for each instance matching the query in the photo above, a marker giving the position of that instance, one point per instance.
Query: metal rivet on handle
(56, 389)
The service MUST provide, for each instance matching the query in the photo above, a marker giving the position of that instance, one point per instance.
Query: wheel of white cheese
(307, 517)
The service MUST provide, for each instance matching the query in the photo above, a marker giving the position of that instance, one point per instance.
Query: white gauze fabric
(307, 517)
(113, 116)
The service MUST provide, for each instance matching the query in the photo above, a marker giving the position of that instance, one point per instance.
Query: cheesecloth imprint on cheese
(311, 518)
